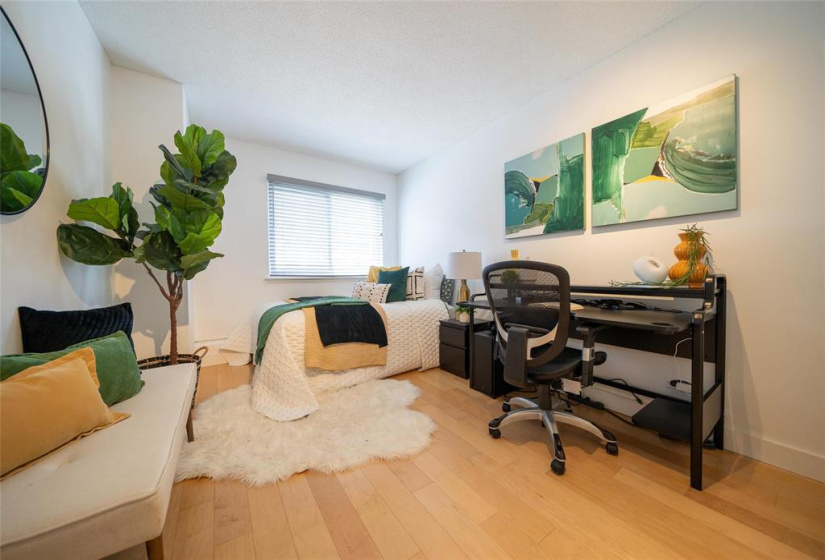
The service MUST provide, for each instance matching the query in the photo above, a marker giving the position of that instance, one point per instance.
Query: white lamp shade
(465, 265)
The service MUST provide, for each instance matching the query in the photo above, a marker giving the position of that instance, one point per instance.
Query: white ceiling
(382, 84)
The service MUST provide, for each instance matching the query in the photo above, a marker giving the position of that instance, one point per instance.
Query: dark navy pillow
(48, 331)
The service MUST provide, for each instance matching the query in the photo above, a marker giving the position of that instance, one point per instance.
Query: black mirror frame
(45, 117)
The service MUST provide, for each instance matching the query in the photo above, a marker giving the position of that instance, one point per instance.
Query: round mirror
(24, 132)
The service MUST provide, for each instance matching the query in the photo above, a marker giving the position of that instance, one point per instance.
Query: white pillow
(371, 292)
(432, 282)
(415, 284)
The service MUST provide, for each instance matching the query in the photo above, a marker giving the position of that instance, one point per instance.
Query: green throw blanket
(273, 314)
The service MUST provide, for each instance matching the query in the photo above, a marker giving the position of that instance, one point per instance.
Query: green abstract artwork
(674, 159)
(544, 191)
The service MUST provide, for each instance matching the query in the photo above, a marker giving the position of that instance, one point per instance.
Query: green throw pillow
(397, 279)
(117, 367)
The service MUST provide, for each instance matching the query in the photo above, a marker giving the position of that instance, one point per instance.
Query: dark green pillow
(397, 279)
(117, 367)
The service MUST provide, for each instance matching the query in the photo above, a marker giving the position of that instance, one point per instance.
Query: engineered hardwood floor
(469, 496)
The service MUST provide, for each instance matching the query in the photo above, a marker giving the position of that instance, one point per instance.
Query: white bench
(109, 491)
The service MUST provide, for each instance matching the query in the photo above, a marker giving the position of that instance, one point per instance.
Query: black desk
(706, 327)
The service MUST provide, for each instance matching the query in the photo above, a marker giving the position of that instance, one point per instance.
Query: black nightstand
(454, 350)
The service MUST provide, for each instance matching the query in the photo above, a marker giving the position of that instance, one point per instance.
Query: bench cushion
(107, 492)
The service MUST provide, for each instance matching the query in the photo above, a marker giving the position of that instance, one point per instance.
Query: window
(323, 230)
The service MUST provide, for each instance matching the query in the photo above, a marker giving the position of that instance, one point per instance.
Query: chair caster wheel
(612, 448)
(494, 423)
(557, 467)
(495, 433)
(505, 407)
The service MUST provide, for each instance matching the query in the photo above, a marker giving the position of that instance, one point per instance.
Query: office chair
(530, 302)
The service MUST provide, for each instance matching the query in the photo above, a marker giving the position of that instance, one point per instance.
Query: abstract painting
(674, 159)
(544, 191)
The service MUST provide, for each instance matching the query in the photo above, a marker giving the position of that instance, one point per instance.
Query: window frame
(272, 178)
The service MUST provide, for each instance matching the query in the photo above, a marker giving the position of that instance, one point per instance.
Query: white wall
(73, 71)
(146, 112)
(771, 248)
(233, 287)
(22, 112)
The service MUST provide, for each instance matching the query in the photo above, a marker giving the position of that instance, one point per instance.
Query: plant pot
(194, 358)
(698, 270)
(463, 317)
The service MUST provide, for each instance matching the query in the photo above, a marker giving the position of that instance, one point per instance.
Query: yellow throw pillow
(45, 407)
(374, 270)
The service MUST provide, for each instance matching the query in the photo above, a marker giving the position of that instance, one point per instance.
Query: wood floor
(469, 496)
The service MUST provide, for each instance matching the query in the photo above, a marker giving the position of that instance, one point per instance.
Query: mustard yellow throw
(339, 357)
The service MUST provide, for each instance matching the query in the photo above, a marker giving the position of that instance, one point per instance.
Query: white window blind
(323, 230)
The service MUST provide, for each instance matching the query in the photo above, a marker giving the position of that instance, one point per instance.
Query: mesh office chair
(530, 302)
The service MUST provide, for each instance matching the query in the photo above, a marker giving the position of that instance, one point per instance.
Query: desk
(706, 327)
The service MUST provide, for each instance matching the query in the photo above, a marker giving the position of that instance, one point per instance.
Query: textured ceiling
(383, 84)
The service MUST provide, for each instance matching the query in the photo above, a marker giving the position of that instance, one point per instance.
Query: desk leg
(721, 319)
(470, 343)
(697, 399)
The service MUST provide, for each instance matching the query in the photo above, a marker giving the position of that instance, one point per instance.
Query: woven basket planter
(194, 358)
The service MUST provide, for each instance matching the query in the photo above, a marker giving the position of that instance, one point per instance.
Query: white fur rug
(352, 426)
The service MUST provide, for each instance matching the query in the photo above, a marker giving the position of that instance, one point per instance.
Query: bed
(283, 389)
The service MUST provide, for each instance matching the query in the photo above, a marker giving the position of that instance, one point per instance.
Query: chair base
(549, 419)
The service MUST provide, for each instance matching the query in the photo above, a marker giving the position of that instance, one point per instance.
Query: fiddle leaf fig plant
(188, 210)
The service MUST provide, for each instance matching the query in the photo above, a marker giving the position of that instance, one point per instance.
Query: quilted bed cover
(283, 389)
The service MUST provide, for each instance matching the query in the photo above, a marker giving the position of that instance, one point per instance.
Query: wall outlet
(683, 386)
(571, 386)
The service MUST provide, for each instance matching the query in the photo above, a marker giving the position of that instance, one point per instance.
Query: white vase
(650, 269)
(463, 317)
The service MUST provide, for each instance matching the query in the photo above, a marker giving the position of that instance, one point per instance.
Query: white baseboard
(213, 357)
(780, 455)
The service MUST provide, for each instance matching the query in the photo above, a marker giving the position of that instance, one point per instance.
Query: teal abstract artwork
(544, 190)
(675, 159)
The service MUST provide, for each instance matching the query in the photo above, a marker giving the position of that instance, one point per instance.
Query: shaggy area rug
(352, 426)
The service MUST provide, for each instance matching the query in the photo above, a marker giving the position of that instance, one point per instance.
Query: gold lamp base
(464, 292)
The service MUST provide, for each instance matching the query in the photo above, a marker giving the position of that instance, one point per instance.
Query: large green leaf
(25, 182)
(173, 167)
(210, 147)
(188, 149)
(88, 246)
(12, 200)
(202, 227)
(103, 211)
(13, 156)
(192, 135)
(178, 199)
(34, 161)
(197, 262)
(216, 176)
(129, 222)
(160, 251)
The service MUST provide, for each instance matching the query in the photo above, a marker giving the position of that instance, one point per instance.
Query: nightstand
(454, 348)
(487, 374)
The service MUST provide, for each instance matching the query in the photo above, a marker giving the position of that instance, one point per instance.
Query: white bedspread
(283, 389)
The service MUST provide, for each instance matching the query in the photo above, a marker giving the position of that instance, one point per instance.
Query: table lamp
(464, 266)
